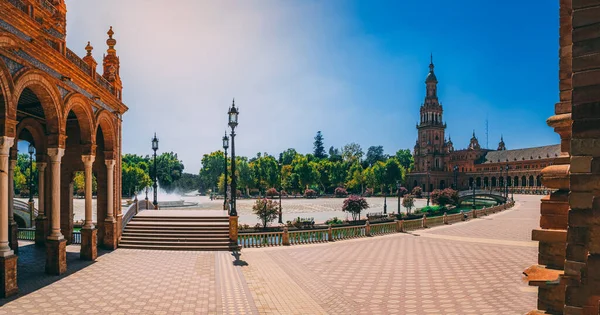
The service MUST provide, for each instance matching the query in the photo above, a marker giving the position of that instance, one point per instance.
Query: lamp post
(473, 200)
(280, 190)
(31, 150)
(225, 147)
(155, 184)
(455, 177)
(506, 184)
(398, 187)
(385, 200)
(233, 122)
(428, 188)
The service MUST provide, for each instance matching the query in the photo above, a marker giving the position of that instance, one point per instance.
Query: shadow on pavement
(31, 275)
(238, 261)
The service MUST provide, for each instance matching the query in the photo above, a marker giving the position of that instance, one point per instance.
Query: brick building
(438, 165)
(71, 114)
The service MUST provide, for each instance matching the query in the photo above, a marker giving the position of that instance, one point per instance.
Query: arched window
(523, 181)
(531, 183)
(516, 181)
(437, 163)
(493, 181)
(539, 181)
(478, 182)
(486, 182)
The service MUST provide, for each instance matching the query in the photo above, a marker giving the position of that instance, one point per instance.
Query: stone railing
(28, 234)
(136, 207)
(73, 58)
(335, 233)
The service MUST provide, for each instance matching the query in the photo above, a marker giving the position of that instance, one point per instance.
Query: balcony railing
(47, 6)
(104, 83)
(77, 61)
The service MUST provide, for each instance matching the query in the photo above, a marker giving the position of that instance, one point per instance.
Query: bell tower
(430, 148)
(112, 65)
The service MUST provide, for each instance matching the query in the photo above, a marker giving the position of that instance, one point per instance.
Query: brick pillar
(329, 233)
(424, 221)
(285, 239)
(233, 229)
(582, 264)
(367, 228)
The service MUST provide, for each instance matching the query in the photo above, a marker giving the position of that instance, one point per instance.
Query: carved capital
(56, 154)
(41, 166)
(88, 160)
(110, 163)
(5, 144)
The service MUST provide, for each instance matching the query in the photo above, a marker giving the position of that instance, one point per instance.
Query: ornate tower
(474, 144)
(430, 147)
(112, 65)
(501, 145)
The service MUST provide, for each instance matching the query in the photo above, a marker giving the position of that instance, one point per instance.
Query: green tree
(352, 152)
(337, 173)
(288, 156)
(187, 183)
(335, 155)
(393, 173)
(356, 177)
(319, 147)
(169, 169)
(306, 171)
(405, 158)
(379, 175)
(134, 179)
(245, 174)
(213, 166)
(375, 154)
(408, 202)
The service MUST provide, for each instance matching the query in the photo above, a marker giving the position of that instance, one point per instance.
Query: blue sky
(354, 70)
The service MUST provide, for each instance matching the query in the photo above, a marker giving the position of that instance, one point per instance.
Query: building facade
(438, 165)
(56, 101)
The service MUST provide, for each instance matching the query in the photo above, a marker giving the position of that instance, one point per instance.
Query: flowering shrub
(340, 192)
(355, 205)
(402, 191)
(368, 192)
(309, 193)
(408, 202)
(272, 192)
(417, 192)
(266, 210)
(444, 197)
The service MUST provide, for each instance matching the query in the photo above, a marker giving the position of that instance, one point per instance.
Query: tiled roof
(545, 152)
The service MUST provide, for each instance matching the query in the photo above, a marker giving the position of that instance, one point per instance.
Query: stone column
(56, 245)
(41, 222)
(89, 249)
(110, 224)
(13, 229)
(8, 259)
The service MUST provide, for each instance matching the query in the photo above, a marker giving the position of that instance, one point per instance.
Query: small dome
(431, 77)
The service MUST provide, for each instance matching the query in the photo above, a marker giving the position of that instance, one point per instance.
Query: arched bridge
(481, 194)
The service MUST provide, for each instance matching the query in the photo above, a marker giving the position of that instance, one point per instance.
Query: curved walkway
(466, 268)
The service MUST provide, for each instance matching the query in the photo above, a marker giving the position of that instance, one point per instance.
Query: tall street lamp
(385, 200)
(455, 177)
(233, 122)
(428, 188)
(155, 184)
(280, 190)
(31, 150)
(506, 184)
(225, 147)
(398, 187)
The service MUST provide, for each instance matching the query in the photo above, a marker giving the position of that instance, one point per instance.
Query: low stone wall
(286, 238)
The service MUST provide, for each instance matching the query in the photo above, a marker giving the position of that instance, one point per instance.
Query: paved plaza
(466, 268)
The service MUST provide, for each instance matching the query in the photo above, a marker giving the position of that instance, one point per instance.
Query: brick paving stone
(466, 268)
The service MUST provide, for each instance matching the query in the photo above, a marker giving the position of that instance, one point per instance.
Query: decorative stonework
(13, 66)
(63, 91)
(56, 257)
(11, 29)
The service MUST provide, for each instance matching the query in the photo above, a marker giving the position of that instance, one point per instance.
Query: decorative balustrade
(260, 239)
(411, 225)
(346, 232)
(76, 238)
(78, 61)
(298, 237)
(27, 234)
(308, 237)
(134, 208)
(47, 6)
(435, 221)
(104, 83)
(384, 228)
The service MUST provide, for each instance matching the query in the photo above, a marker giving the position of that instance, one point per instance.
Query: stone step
(192, 233)
(177, 243)
(180, 219)
(219, 238)
(187, 225)
(181, 248)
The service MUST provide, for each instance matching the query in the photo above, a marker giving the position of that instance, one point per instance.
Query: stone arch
(531, 183)
(47, 94)
(516, 181)
(85, 117)
(538, 181)
(36, 130)
(104, 122)
(523, 181)
(494, 184)
(6, 87)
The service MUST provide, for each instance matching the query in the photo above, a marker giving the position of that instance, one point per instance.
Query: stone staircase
(177, 233)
